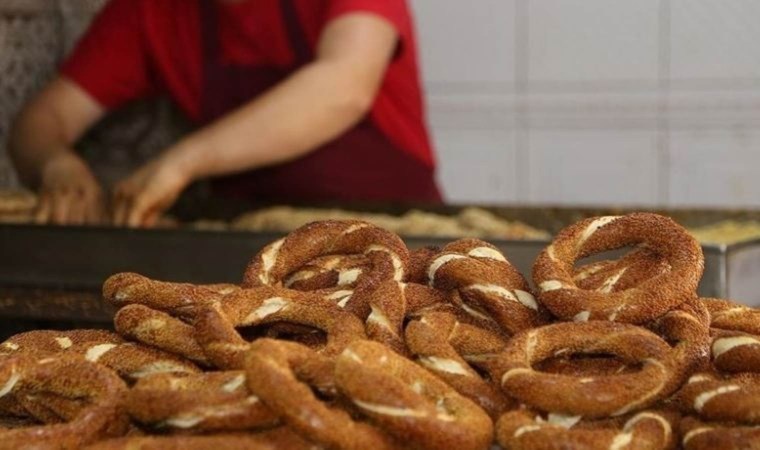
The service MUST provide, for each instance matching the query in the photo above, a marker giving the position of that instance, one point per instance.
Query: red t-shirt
(137, 48)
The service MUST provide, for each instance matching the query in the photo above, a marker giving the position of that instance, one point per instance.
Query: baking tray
(57, 272)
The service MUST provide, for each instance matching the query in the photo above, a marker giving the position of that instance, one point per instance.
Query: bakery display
(340, 337)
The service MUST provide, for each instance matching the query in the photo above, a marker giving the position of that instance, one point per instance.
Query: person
(294, 100)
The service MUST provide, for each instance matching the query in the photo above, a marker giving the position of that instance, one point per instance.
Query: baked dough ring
(277, 372)
(212, 401)
(71, 377)
(409, 402)
(525, 430)
(488, 285)
(225, 347)
(592, 396)
(553, 269)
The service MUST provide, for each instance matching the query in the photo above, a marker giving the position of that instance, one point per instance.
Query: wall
(646, 102)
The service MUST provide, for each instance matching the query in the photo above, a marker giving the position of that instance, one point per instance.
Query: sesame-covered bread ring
(212, 401)
(733, 316)
(487, 284)
(630, 270)
(130, 288)
(447, 348)
(278, 260)
(409, 402)
(72, 377)
(277, 439)
(697, 435)
(736, 352)
(687, 328)
(278, 373)
(735, 398)
(525, 430)
(553, 269)
(160, 330)
(592, 396)
(128, 359)
(225, 347)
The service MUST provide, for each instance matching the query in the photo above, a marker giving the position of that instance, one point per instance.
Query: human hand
(139, 200)
(69, 194)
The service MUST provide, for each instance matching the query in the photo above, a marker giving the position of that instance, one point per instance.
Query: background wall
(648, 102)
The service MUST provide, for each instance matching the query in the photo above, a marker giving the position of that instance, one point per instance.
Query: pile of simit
(341, 338)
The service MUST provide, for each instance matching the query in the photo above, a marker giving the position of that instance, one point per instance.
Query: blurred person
(294, 100)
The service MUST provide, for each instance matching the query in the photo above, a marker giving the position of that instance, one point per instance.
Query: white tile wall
(478, 166)
(593, 40)
(593, 166)
(715, 167)
(467, 43)
(614, 92)
(715, 39)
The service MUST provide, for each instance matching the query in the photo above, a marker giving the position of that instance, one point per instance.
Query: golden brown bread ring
(277, 439)
(630, 270)
(487, 284)
(216, 325)
(160, 330)
(131, 288)
(734, 398)
(525, 430)
(447, 348)
(592, 396)
(407, 401)
(212, 401)
(687, 328)
(72, 377)
(718, 436)
(274, 263)
(277, 372)
(553, 269)
(130, 360)
(732, 316)
(735, 352)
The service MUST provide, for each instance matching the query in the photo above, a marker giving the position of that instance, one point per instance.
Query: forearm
(313, 106)
(36, 137)
(49, 126)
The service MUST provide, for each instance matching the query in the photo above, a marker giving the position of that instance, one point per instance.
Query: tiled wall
(648, 102)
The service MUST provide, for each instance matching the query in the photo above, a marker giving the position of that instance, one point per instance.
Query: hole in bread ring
(594, 397)
(618, 275)
(554, 268)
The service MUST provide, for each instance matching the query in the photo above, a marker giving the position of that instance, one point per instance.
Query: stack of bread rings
(340, 337)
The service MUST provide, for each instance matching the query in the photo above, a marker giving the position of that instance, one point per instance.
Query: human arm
(316, 104)
(41, 148)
